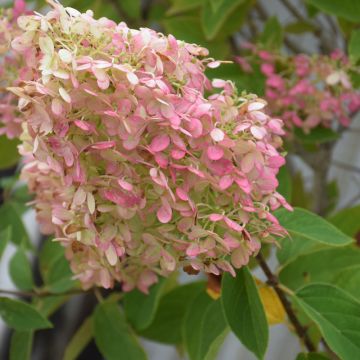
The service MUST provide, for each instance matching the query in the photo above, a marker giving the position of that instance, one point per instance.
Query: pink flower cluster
(10, 63)
(307, 91)
(135, 169)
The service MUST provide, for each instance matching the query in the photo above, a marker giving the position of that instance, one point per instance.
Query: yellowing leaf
(274, 310)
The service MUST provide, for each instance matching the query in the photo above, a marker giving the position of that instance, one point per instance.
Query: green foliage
(347, 220)
(244, 311)
(180, 6)
(79, 341)
(5, 236)
(273, 34)
(307, 232)
(11, 218)
(20, 346)
(311, 356)
(347, 9)
(204, 327)
(21, 316)
(20, 270)
(54, 268)
(318, 135)
(9, 155)
(167, 324)
(285, 184)
(113, 335)
(319, 266)
(140, 308)
(354, 46)
(336, 313)
(188, 28)
(214, 17)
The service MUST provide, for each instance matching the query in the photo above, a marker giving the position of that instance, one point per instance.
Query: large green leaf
(113, 336)
(11, 217)
(20, 270)
(204, 327)
(167, 324)
(251, 82)
(322, 265)
(244, 311)
(285, 184)
(54, 268)
(179, 6)
(5, 237)
(192, 323)
(79, 341)
(307, 232)
(9, 154)
(272, 36)
(21, 316)
(354, 46)
(318, 135)
(336, 313)
(213, 331)
(188, 28)
(347, 220)
(348, 9)
(213, 18)
(20, 345)
(140, 308)
(349, 279)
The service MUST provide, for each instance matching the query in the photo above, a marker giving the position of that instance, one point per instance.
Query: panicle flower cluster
(10, 73)
(307, 91)
(134, 167)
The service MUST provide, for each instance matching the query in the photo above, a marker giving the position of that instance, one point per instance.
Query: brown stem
(274, 282)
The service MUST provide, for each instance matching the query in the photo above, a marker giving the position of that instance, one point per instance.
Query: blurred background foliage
(222, 26)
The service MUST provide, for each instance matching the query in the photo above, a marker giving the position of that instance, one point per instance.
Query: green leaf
(167, 324)
(319, 266)
(47, 305)
(312, 356)
(307, 232)
(180, 6)
(273, 34)
(140, 308)
(54, 268)
(113, 335)
(20, 345)
(347, 9)
(20, 271)
(299, 27)
(132, 8)
(213, 19)
(21, 316)
(213, 331)
(285, 184)
(244, 311)
(336, 313)
(10, 217)
(193, 322)
(188, 28)
(349, 280)
(9, 155)
(5, 237)
(318, 135)
(253, 82)
(79, 341)
(347, 220)
(354, 46)
(204, 327)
